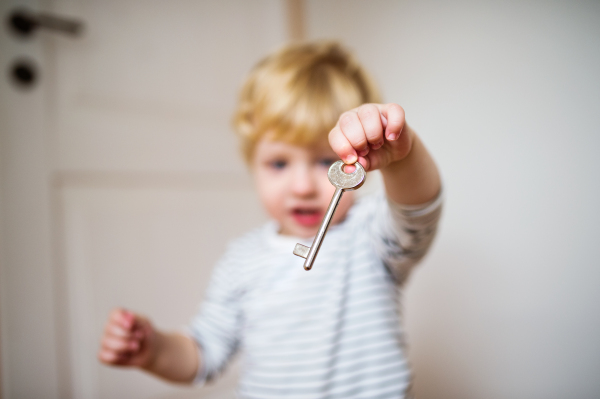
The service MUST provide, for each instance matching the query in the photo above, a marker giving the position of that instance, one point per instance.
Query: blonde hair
(298, 93)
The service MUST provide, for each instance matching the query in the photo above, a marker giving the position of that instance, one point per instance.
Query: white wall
(506, 96)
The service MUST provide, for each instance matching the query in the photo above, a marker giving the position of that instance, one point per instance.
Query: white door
(121, 183)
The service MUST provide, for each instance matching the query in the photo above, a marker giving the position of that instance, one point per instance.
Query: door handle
(23, 22)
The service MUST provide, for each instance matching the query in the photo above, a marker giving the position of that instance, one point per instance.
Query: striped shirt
(332, 332)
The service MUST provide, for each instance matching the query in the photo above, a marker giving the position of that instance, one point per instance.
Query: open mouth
(307, 217)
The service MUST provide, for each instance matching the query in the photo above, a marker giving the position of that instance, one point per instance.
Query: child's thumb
(141, 326)
(128, 318)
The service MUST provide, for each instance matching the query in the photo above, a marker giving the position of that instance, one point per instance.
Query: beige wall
(505, 94)
(110, 197)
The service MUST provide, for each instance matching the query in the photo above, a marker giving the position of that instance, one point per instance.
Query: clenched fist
(128, 340)
(373, 134)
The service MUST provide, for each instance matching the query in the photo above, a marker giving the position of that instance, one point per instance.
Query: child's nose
(304, 184)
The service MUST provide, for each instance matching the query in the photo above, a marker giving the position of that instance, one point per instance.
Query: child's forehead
(267, 146)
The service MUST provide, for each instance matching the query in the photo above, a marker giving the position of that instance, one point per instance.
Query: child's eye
(278, 164)
(326, 162)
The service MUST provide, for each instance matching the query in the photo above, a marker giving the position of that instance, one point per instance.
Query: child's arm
(378, 136)
(131, 340)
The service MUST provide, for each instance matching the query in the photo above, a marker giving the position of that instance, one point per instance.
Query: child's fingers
(118, 331)
(394, 115)
(120, 345)
(110, 357)
(370, 119)
(341, 146)
(107, 356)
(365, 162)
(351, 127)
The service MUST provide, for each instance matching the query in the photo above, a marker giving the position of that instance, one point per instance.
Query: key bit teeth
(301, 250)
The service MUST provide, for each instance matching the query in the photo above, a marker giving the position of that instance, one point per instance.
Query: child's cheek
(274, 204)
(269, 194)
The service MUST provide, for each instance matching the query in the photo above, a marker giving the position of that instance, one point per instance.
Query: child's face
(293, 186)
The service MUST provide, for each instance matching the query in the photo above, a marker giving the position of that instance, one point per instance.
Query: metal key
(343, 182)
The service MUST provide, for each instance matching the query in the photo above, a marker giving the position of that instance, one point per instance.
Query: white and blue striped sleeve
(402, 234)
(216, 327)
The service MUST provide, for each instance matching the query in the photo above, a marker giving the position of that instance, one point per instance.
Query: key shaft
(316, 245)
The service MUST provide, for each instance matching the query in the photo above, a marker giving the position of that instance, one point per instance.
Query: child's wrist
(155, 344)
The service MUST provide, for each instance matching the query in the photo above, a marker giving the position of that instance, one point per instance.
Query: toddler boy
(334, 331)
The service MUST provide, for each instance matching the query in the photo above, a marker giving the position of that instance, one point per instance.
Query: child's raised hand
(373, 134)
(128, 340)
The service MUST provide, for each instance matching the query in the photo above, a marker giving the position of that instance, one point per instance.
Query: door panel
(152, 85)
(147, 249)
